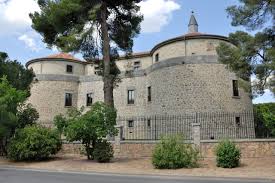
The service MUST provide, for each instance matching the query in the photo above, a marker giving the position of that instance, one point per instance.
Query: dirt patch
(250, 167)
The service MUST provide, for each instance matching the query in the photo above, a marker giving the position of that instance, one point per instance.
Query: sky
(163, 19)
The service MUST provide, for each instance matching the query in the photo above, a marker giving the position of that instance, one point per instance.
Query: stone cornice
(54, 59)
(188, 37)
(141, 54)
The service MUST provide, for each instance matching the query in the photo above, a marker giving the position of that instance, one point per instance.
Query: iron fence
(221, 125)
(215, 125)
(153, 127)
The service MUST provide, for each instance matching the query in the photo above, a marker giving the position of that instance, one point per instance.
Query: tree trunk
(107, 77)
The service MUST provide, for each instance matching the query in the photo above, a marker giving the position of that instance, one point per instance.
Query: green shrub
(103, 151)
(89, 128)
(228, 154)
(34, 143)
(172, 153)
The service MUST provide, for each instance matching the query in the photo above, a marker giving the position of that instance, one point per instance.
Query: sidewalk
(263, 168)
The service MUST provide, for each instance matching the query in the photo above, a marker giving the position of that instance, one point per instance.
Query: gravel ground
(250, 168)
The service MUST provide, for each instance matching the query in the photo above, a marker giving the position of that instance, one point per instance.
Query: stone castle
(179, 75)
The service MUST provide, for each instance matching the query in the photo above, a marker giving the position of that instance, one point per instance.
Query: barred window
(131, 123)
(131, 96)
(68, 99)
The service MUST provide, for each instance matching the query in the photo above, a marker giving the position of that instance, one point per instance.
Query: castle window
(157, 57)
(238, 121)
(69, 69)
(235, 88)
(149, 93)
(136, 65)
(89, 100)
(68, 99)
(97, 70)
(131, 96)
(131, 123)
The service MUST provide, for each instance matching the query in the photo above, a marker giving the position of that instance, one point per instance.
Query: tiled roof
(63, 56)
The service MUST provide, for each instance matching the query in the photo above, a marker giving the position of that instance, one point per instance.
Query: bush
(89, 128)
(172, 153)
(27, 115)
(103, 152)
(264, 116)
(34, 143)
(228, 154)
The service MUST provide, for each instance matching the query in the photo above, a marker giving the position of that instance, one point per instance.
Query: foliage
(8, 122)
(265, 119)
(33, 143)
(103, 151)
(89, 27)
(252, 14)
(27, 115)
(17, 75)
(61, 121)
(15, 83)
(253, 55)
(269, 119)
(90, 127)
(10, 98)
(172, 153)
(228, 154)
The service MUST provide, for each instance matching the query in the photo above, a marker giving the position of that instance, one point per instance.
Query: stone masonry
(184, 75)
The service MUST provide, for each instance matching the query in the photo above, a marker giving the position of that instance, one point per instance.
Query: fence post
(196, 128)
(118, 139)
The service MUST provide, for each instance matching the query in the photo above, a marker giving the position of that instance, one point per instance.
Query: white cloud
(14, 15)
(30, 41)
(157, 14)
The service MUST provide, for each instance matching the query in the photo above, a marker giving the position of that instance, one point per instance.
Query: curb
(174, 177)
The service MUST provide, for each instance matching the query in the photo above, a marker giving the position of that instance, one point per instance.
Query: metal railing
(153, 127)
(214, 125)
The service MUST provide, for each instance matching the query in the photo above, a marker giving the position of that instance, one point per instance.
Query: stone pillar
(196, 127)
(118, 139)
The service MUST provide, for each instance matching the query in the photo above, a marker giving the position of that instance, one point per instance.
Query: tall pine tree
(73, 26)
(253, 55)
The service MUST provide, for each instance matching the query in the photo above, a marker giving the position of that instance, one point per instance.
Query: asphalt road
(11, 175)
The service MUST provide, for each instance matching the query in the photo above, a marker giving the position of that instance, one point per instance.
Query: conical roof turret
(193, 24)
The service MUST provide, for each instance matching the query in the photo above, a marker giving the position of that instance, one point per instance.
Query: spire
(193, 25)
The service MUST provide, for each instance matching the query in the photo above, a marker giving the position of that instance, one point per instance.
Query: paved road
(10, 175)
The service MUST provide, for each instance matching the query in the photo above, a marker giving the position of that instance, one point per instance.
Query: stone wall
(48, 97)
(250, 148)
(188, 48)
(57, 67)
(181, 82)
(202, 86)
